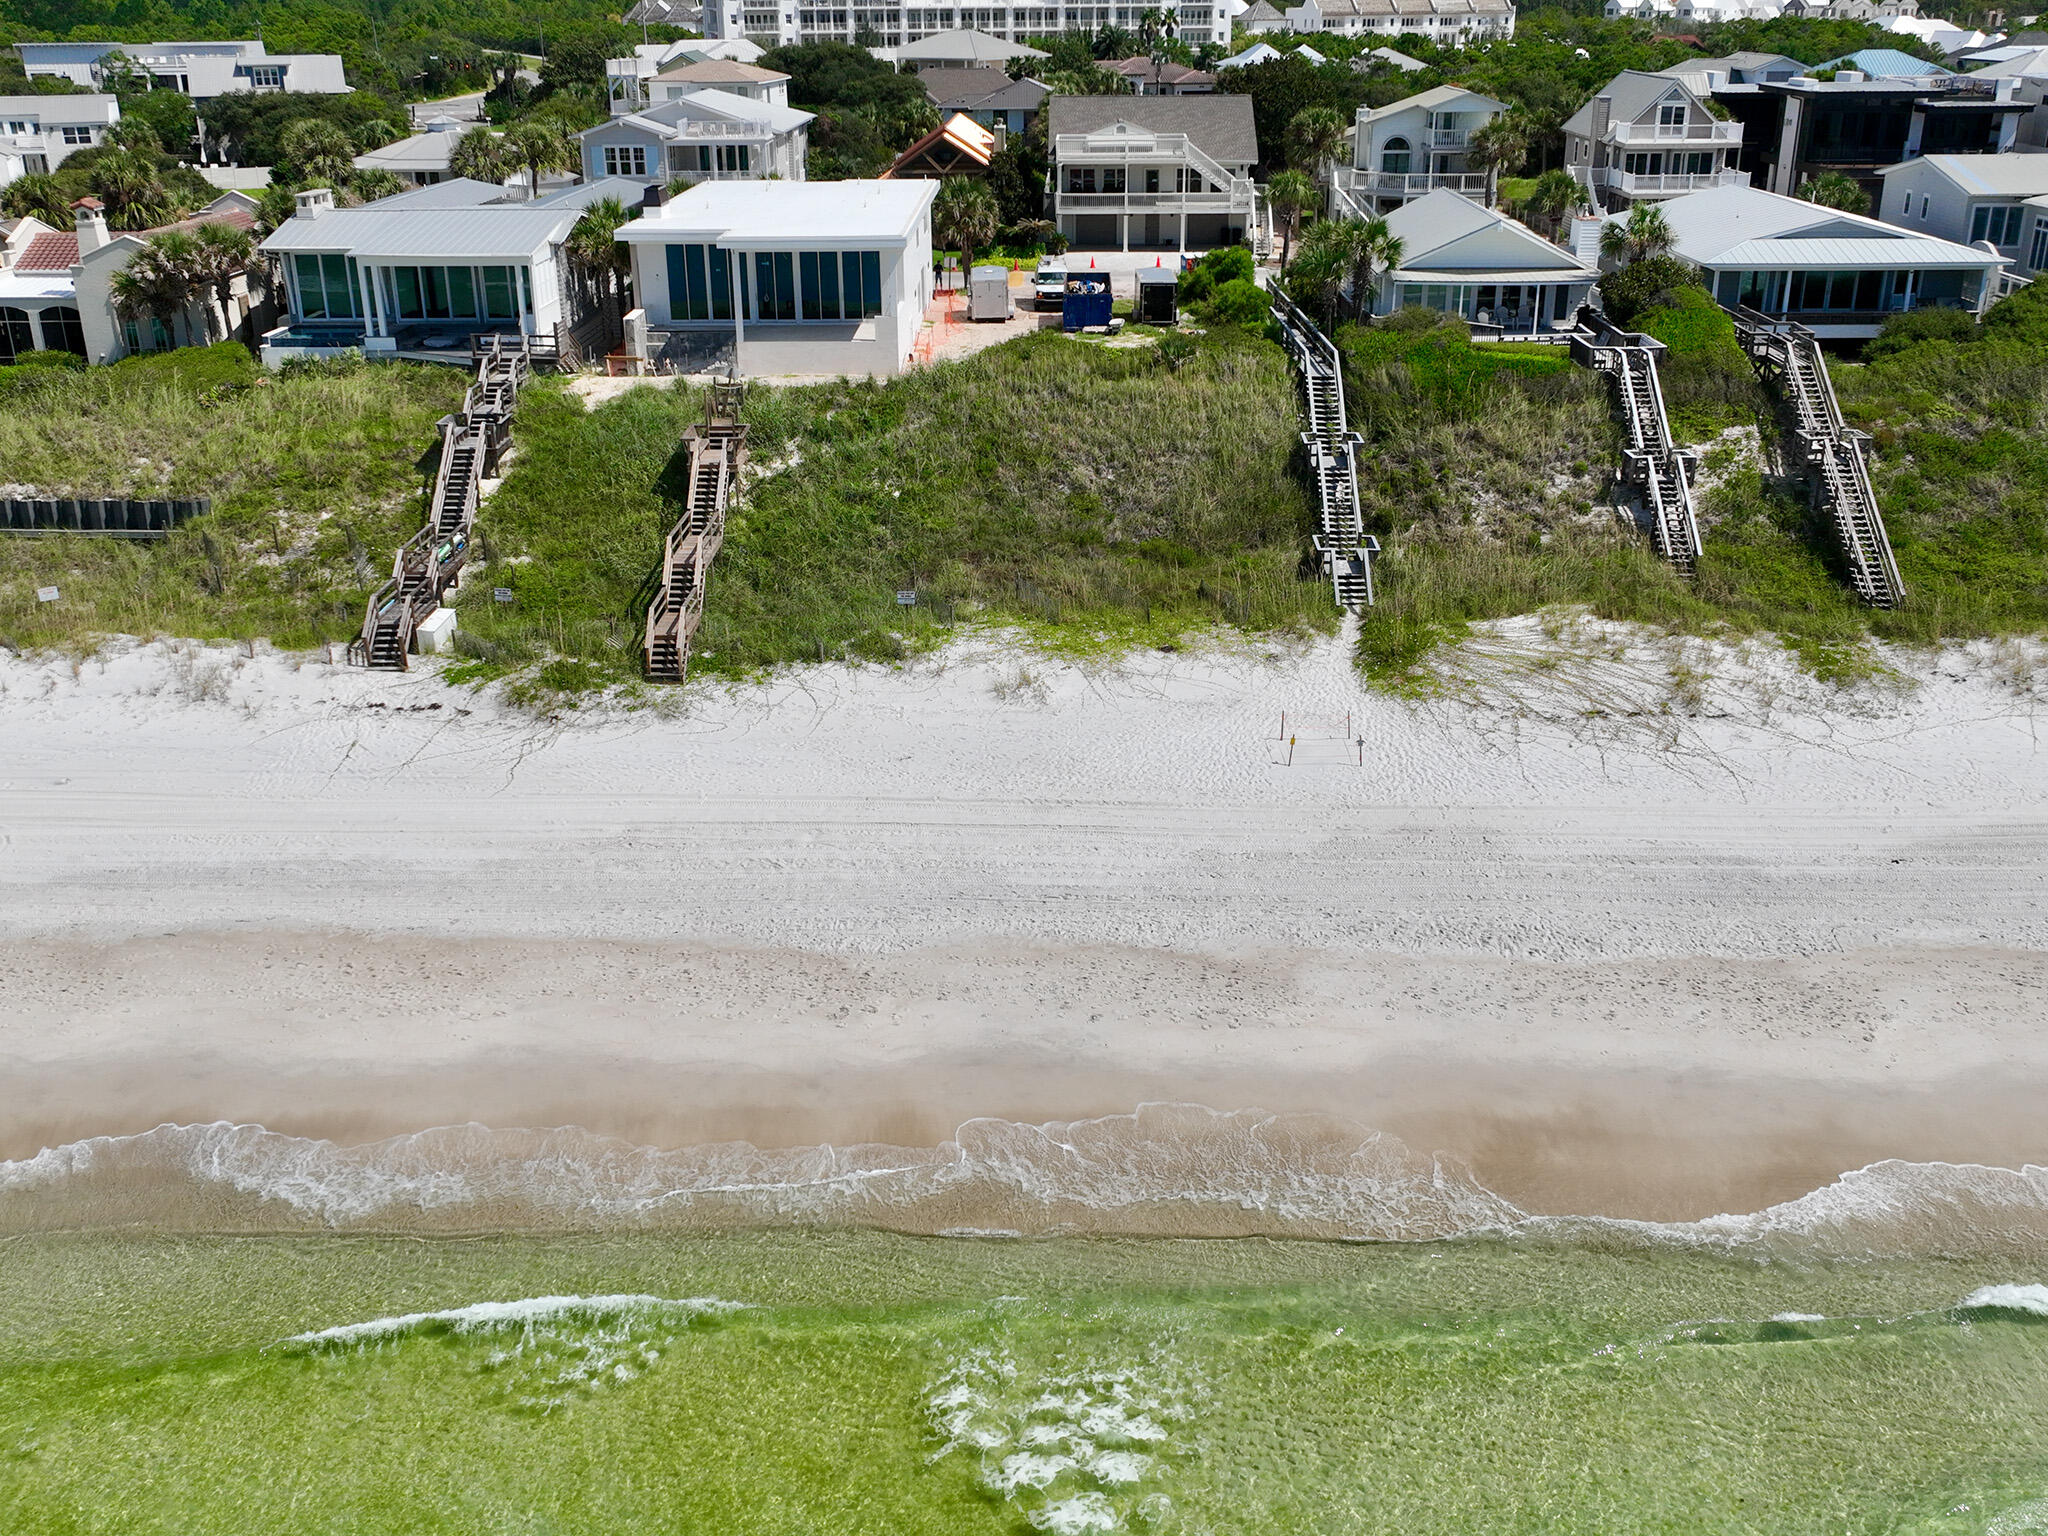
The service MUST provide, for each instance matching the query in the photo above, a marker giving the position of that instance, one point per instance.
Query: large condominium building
(1450, 22)
(890, 25)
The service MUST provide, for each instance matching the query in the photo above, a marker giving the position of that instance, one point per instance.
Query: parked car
(1049, 283)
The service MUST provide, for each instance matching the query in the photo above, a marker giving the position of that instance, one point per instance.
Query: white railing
(1638, 185)
(1675, 133)
(1216, 199)
(1449, 138)
(1398, 184)
(699, 129)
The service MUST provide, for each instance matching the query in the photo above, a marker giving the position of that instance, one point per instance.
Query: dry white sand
(1643, 928)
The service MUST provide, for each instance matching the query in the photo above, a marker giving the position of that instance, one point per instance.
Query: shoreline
(1640, 966)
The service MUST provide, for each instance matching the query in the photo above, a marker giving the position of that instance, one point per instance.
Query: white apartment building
(1450, 22)
(200, 70)
(890, 25)
(38, 133)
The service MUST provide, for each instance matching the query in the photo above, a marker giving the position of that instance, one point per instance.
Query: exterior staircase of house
(1789, 357)
(429, 563)
(717, 449)
(1344, 548)
(1651, 459)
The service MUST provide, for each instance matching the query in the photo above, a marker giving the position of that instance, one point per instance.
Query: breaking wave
(1166, 1169)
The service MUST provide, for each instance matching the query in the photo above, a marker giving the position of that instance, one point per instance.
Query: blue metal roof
(1884, 64)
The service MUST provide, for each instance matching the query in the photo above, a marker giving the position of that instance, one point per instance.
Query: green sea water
(841, 1382)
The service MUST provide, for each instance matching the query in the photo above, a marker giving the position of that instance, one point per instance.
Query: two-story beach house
(1839, 273)
(1995, 200)
(1153, 172)
(420, 273)
(629, 81)
(39, 133)
(1412, 147)
(780, 277)
(1465, 259)
(700, 135)
(199, 70)
(1644, 137)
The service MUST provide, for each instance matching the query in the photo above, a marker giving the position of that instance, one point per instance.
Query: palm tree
(1315, 137)
(1497, 145)
(1643, 234)
(1290, 194)
(594, 247)
(135, 136)
(1374, 249)
(1316, 279)
(223, 253)
(320, 149)
(965, 215)
(1832, 189)
(1556, 196)
(37, 195)
(158, 281)
(479, 155)
(375, 134)
(368, 186)
(133, 192)
(1156, 26)
(537, 146)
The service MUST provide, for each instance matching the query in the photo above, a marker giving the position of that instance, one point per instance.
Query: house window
(498, 300)
(77, 135)
(2000, 224)
(63, 331)
(813, 285)
(327, 289)
(735, 159)
(2038, 257)
(1080, 178)
(1395, 157)
(775, 284)
(16, 337)
(699, 283)
(1699, 163)
(1671, 114)
(625, 160)
(17, 127)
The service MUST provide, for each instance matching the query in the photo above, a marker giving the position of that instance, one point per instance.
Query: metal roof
(1221, 126)
(966, 48)
(493, 231)
(1918, 251)
(1743, 226)
(1440, 219)
(1885, 64)
(1994, 175)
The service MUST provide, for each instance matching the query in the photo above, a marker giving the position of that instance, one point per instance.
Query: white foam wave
(2009, 1298)
(1171, 1168)
(496, 1316)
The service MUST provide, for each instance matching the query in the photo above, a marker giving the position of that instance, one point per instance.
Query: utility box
(435, 633)
(1088, 300)
(988, 293)
(1158, 296)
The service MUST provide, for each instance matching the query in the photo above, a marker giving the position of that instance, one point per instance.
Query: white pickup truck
(1049, 283)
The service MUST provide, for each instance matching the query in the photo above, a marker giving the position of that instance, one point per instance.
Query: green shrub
(1707, 380)
(1241, 302)
(70, 362)
(1228, 264)
(1641, 285)
(202, 373)
(1920, 325)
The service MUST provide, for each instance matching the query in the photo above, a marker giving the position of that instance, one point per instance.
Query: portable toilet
(1088, 300)
(1158, 296)
(988, 293)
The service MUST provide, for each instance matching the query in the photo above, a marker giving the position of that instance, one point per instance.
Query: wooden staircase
(1343, 547)
(1789, 356)
(1650, 458)
(717, 449)
(428, 563)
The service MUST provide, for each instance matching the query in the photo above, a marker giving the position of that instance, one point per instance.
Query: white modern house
(778, 277)
(1645, 137)
(422, 159)
(701, 135)
(728, 75)
(1995, 200)
(1452, 23)
(1153, 172)
(1839, 273)
(39, 133)
(422, 272)
(628, 80)
(1465, 259)
(56, 287)
(1412, 147)
(200, 70)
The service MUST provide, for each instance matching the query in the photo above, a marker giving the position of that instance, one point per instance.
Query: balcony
(1192, 202)
(1395, 184)
(1666, 186)
(1449, 138)
(1674, 133)
(704, 129)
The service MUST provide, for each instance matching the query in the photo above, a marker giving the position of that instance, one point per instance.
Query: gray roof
(83, 107)
(476, 231)
(1985, 175)
(1436, 96)
(965, 48)
(725, 105)
(1631, 93)
(1220, 126)
(981, 90)
(456, 192)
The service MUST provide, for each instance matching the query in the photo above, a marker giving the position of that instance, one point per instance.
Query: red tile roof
(52, 252)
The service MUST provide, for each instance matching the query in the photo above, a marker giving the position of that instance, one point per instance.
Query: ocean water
(482, 1331)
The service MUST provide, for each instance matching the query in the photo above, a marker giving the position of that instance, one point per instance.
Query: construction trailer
(1158, 296)
(988, 293)
(1088, 300)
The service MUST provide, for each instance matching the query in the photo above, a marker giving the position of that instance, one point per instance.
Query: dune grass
(315, 475)
(1472, 477)
(1095, 496)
